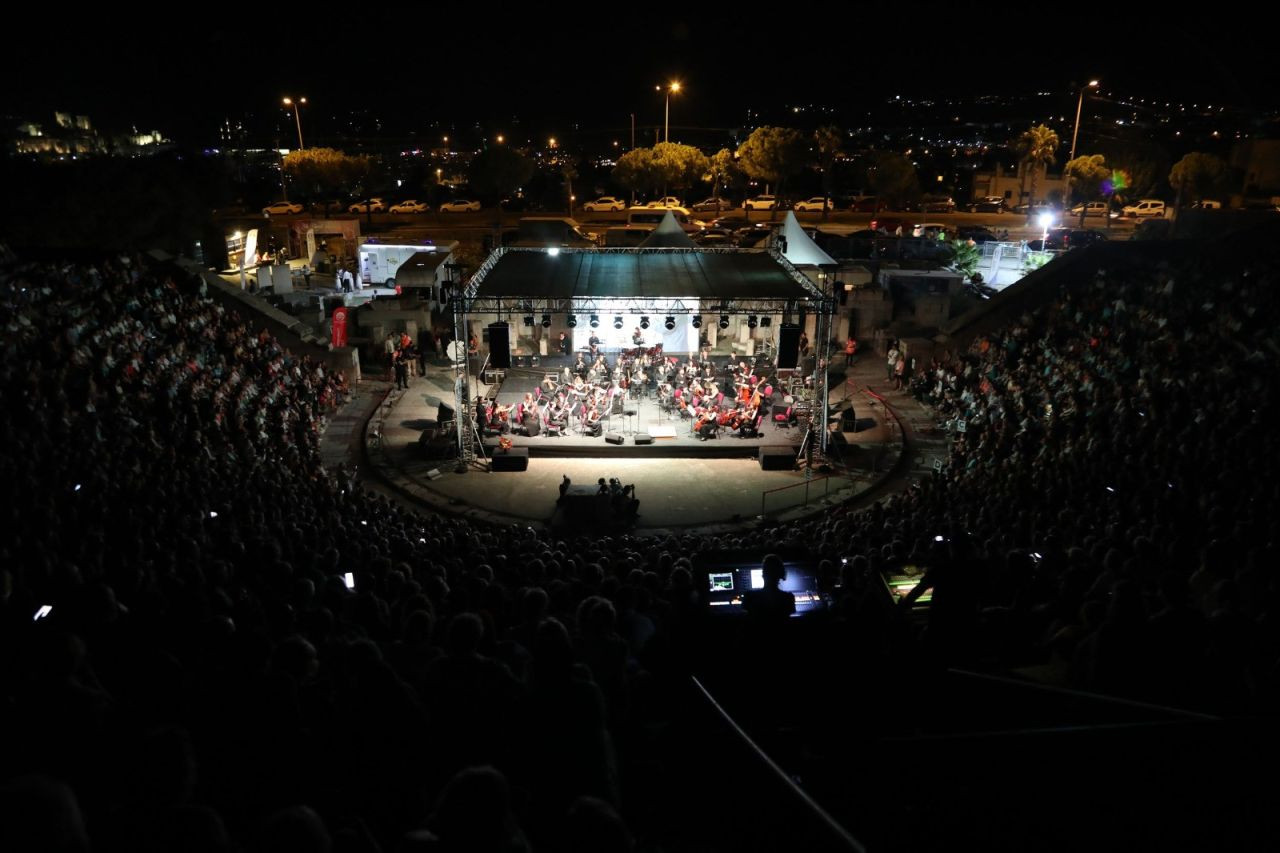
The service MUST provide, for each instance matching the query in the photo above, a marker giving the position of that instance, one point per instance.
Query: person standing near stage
(891, 361)
(565, 345)
(400, 366)
(850, 347)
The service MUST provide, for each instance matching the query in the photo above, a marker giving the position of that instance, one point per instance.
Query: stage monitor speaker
(499, 345)
(779, 409)
(788, 346)
(512, 459)
(848, 420)
(644, 438)
(614, 437)
(777, 457)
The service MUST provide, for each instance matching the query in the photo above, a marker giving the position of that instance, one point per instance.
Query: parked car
(817, 204)
(409, 206)
(373, 205)
(460, 205)
(605, 204)
(976, 233)
(761, 202)
(890, 225)
(281, 208)
(323, 207)
(932, 230)
(666, 202)
(988, 204)
(1145, 207)
(1035, 210)
(1093, 208)
(1062, 238)
(709, 206)
(864, 204)
(714, 237)
(937, 204)
(1207, 204)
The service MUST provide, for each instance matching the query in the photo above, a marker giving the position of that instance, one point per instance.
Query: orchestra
(730, 400)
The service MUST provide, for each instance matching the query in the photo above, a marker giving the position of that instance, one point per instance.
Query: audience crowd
(244, 651)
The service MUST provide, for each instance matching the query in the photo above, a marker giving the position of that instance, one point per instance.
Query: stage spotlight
(573, 320)
(669, 323)
(724, 321)
(546, 321)
(528, 319)
(595, 321)
(644, 322)
(697, 321)
(751, 321)
(617, 321)
(766, 322)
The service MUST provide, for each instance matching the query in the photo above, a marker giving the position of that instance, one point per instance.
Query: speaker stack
(499, 345)
(788, 346)
(778, 457)
(511, 459)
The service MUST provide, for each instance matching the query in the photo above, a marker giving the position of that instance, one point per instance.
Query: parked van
(1145, 207)
(553, 231)
(654, 217)
(626, 236)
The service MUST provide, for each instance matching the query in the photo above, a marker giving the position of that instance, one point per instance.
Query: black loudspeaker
(779, 457)
(499, 346)
(614, 437)
(788, 345)
(644, 438)
(848, 420)
(513, 459)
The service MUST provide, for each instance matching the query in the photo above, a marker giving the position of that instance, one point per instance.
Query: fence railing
(810, 493)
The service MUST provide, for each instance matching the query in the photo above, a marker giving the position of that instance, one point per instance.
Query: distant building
(1011, 187)
(1258, 161)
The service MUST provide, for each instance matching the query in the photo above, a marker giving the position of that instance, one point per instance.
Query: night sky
(597, 67)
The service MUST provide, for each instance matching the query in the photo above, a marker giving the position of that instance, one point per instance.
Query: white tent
(800, 250)
(668, 235)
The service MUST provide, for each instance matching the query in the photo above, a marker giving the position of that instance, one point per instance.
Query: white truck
(380, 261)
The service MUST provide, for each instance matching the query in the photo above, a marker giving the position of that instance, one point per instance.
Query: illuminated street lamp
(500, 138)
(290, 102)
(1046, 219)
(1075, 134)
(673, 86)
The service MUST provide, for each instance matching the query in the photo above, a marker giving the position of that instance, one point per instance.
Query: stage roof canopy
(709, 275)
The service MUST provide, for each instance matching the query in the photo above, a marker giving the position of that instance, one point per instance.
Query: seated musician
(706, 427)
(549, 384)
(591, 421)
(746, 424)
(579, 388)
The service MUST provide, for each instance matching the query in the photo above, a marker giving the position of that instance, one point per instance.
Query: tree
(1196, 176)
(569, 172)
(324, 172)
(496, 173)
(1088, 173)
(773, 154)
(721, 170)
(636, 171)
(966, 258)
(680, 166)
(827, 139)
(893, 180)
(1036, 147)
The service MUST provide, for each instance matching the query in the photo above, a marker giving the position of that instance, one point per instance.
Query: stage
(673, 435)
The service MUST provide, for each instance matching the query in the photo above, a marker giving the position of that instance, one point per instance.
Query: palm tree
(1036, 147)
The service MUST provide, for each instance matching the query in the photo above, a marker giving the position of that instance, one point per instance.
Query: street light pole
(673, 86)
(1075, 134)
(290, 102)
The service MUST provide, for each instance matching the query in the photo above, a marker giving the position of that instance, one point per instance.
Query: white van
(1145, 207)
(654, 216)
(626, 236)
